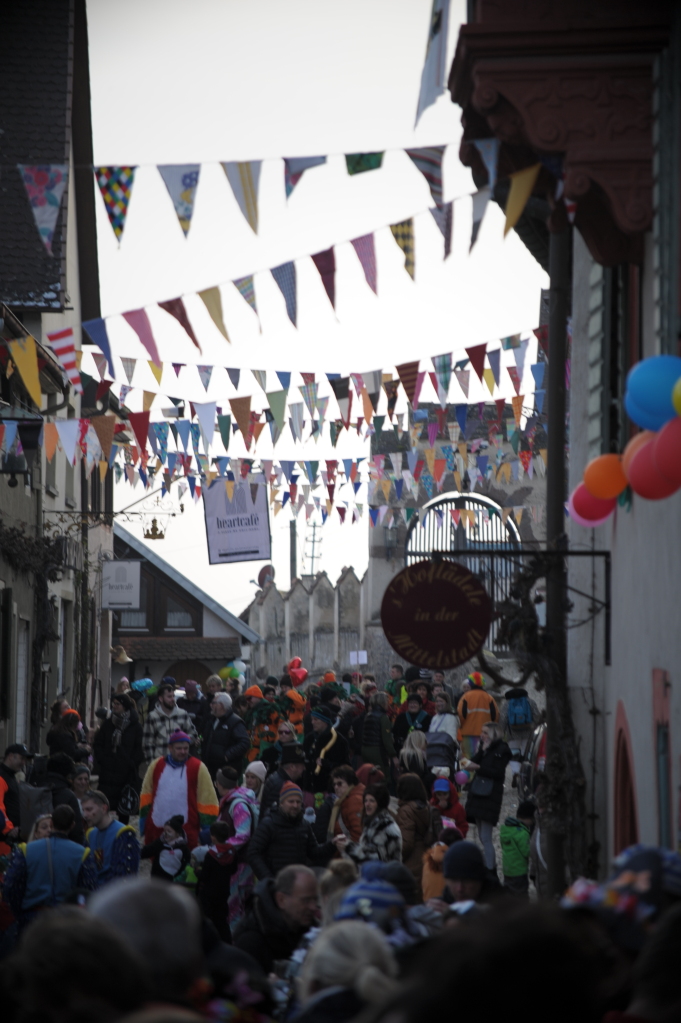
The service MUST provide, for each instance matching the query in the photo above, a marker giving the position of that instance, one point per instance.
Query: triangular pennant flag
(500, 404)
(100, 363)
(358, 163)
(139, 421)
(522, 183)
(157, 371)
(495, 362)
(517, 403)
(96, 331)
(177, 366)
(488, 377)
(444, 218)
(284, 379)
(429, 162)
(515, 378)
(45, 185)
(175, 306)
(50, 439)
(326, 264)
(261, 378)
(408, 373)
(244, 285)
(480, 200)
(403, 233)
(63, 346)
(212, 299)
(366, 253)
(489, 151)
(205, 413)
(519, 356)
(224, 424)
(115, 184)
(245, 180)
(147, 399)
(463, 378)
(234, 375)
(434, 73)
(139, 321)
(538, 373)
(295, 167)
(25, 358)
(184, 430)
(539, 396)
(462, 417)
(285, 276)
(205, 373)
(241, 410)
(442, 364)
(182, 180)
(104, 427)
(309, 393)
(125, 391)
(477, 357)
(69, 432)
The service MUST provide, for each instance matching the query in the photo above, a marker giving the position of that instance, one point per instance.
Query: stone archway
(625, 831)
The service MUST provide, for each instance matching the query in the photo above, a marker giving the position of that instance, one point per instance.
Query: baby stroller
(442, 754)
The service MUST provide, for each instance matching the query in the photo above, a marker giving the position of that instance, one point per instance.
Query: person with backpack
(239, 810)
(519, 717)
(475, 709)
(419, 823)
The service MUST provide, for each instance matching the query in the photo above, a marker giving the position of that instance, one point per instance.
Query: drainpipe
(556, 693)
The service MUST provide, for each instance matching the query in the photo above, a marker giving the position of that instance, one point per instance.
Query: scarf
(415, 722)
(120, 722)
(175, 763)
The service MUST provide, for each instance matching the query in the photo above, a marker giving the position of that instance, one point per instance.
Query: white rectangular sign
(358, 657)
(121, 584)
(237, 529)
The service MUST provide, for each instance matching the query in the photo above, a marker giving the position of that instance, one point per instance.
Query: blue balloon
(648, 399)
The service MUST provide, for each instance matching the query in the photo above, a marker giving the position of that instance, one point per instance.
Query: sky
(222, 80)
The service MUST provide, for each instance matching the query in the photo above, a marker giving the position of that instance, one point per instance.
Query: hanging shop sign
(121, 584)
(436, 614)
(237, 522)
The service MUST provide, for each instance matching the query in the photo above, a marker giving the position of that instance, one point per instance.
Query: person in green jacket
(396, 685)
(515, 834)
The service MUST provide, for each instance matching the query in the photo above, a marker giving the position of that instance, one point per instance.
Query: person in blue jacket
(47, 872)
(114, 845)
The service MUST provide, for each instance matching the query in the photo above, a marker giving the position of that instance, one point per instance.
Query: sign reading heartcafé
(436, 614)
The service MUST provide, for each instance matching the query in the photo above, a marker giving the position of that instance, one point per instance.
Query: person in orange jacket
(476, 708)
(292, 703)
(433, 878)
(262, 720)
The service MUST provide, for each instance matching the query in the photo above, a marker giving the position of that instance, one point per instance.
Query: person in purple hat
(177, 785)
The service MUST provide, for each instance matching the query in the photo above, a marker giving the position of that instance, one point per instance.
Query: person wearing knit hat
(376, 902)
(291, 768)
(254, 778)
(163, 720)
(329, 676)
(475, 709)
(284, 837)
(169, 853)
(262, 721)
(325, 748)
(178, 783)
(466, 877)
(225, 740)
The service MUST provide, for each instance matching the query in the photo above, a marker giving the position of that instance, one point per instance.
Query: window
(134, 620)
(21, 729)
(176, 616)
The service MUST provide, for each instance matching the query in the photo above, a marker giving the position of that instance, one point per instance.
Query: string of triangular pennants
(45, 185)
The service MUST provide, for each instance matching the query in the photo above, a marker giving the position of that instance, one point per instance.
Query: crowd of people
(312, 857)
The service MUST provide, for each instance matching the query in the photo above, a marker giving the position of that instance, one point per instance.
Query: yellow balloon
(676, 396)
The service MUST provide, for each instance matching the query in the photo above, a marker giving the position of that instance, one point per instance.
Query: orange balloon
(633, 446)
(604, 477)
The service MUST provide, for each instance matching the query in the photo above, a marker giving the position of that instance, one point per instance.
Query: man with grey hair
(282, 910)
(226, 740)
(161, 925)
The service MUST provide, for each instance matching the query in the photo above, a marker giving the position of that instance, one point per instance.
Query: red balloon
(667, 451)
(295, 662)
(298, 675)
(591, 508)
(645, 478)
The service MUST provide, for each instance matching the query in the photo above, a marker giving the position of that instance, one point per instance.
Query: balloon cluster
(234, 669)
(651, 462)
(296, 672)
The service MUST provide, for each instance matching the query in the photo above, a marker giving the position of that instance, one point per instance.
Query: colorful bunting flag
(429, 162)
(495, 362)
(244, 285)
(480, 200)
(205, 373)
(63, 346)
(366, 253)
(115, 184)
(245, 180)
(463, 379)
(157, 371)
(489, 151)
(69, 432)
(408, 373)
(182, 180)
(326, 264)
(477, 356)
(519, 356)
(139, 422)
(129, 367)
(442, 364)
(434, 74)
(212, 299)
(488, 377)
(175, 306)
(358, 163)
(522, 183)
(25, 357)
(295, 167)
(517, 403)
(444, 218)
(285, 276)
(45, 185)
(241, 410)
(139, 321)
(403, 233)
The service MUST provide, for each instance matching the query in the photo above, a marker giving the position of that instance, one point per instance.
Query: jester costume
(115, 851)
(292, 708)
(171, 787)
(262, 721)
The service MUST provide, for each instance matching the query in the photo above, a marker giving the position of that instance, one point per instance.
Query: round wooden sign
(436, 614)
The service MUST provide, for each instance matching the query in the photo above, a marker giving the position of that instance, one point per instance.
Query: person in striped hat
(177, 784)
